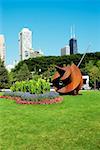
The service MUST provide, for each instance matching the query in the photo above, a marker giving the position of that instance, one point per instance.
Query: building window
(26, 53)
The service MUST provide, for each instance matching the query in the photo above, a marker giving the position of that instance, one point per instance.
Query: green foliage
(45, 62)
(98, 66)
(47, 65)
(36, 77)
(4, 79)
(12, 77)
(49, 73)
(93, 70)
(23, 74)
(32, 86)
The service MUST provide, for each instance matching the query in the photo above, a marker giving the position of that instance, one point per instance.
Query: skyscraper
(2, 48)
(25, 43)
(65, 50)
(73, 45)
(73, 42)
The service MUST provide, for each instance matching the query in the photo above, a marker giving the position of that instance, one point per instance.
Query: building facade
(25, 43)
(2, 48)
(36, 53)
(65, 50)
(73, 46)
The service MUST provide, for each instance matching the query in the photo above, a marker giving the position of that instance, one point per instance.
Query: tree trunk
(95, 85)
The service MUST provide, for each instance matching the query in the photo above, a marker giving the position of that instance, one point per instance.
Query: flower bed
(27, 98)
(21, 101)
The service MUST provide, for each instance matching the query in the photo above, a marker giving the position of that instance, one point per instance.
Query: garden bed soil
(21, 101)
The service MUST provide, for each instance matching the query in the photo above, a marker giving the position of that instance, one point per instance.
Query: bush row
(32, 97)
(32, 86)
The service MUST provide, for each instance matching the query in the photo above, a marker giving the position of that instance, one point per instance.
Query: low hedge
(32, 97)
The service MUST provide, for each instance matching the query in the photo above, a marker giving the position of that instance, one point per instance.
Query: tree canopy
(46, 64)
(93, 70)
(4, 79)
(43, 63)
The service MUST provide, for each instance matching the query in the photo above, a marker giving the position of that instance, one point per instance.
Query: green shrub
(32, 86)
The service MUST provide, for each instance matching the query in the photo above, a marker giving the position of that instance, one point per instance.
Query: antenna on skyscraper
(71, 32)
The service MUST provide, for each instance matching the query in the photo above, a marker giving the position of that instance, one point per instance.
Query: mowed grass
(73, 124)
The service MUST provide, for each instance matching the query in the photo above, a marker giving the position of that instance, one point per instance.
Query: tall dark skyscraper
(73, 45)
(73, 42)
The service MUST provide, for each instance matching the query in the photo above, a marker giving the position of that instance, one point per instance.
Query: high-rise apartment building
(65, 50)
(2, 48)
(25, 43)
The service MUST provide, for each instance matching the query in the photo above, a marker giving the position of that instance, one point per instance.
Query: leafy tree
(49, 73)
(98, 65)
(4, 79)
(93, 71)
(44, 63)
(12, 77)
(23, 73)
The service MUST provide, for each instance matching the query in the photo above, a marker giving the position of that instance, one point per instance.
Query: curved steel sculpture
(68, 80)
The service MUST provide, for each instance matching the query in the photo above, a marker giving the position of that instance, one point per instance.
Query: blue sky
(50, 21)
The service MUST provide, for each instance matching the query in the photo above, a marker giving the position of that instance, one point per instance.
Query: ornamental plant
(38, 86)
(32, 97)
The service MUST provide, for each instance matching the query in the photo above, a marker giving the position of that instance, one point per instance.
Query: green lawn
(73, 124)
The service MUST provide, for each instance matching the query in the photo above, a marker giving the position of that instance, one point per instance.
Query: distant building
(73, 46)
(2, 48)
(73, 42)
(65, 50)
(25, 43)
(36, 53)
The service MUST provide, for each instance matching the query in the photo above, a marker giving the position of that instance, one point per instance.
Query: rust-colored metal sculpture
(68, 80)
